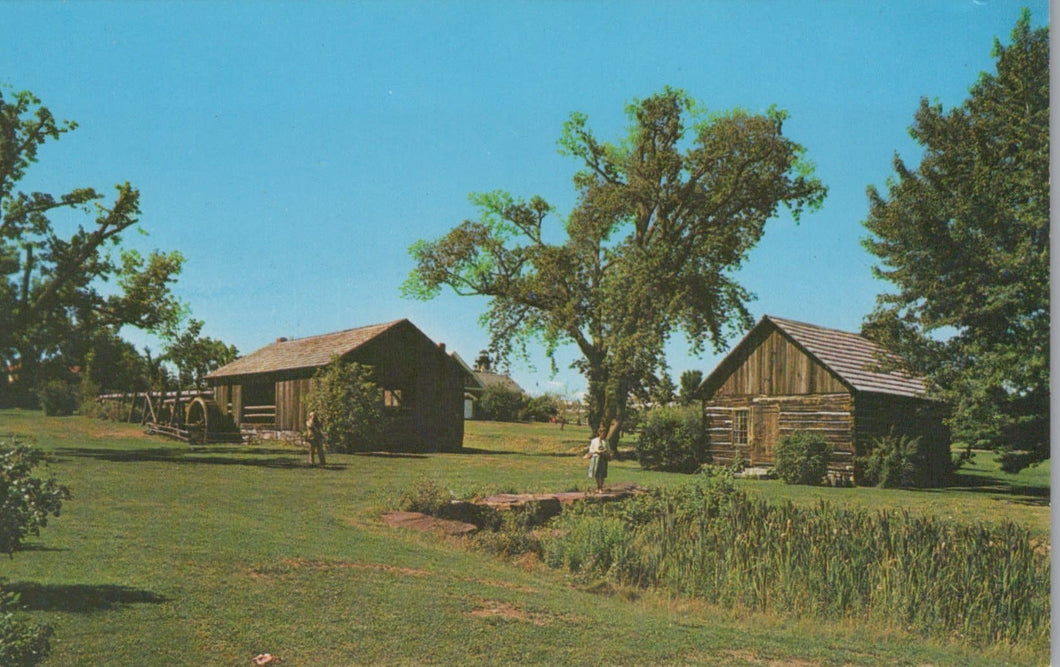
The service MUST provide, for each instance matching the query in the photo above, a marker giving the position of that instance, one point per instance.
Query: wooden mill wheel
(198, 420)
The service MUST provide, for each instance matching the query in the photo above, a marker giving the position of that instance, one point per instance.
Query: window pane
(739, 426)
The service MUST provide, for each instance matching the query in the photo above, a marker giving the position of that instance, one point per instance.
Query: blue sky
(293, 152)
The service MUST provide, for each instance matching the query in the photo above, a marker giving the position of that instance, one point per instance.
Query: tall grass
(709, 540)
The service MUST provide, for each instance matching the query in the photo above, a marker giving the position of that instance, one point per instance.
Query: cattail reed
(984, 583)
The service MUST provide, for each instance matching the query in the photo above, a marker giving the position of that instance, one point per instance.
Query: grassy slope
(169, 555)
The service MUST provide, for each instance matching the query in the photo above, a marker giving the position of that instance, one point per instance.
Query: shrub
(350, 404)
(500, 404)
(672, 440)
(511, 536)
(26, 501)
(425, 496)
(802, 458)
(58, 398)
(541, 408)
(899, 462)
(21, 642)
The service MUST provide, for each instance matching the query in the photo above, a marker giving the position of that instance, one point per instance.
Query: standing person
(598, 456)
(314, 434)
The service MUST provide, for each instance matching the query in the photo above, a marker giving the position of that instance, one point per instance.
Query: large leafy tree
(195, 355)
(965, 239)
(663, 218)
(54, 269)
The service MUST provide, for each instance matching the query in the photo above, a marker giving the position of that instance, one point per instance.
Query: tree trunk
(28, 377)
(607, 406)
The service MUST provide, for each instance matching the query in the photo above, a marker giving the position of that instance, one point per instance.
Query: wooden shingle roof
(498, 380)
(854, 360)
(300, 353)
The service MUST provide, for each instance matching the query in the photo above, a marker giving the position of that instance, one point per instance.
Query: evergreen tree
(965, 239)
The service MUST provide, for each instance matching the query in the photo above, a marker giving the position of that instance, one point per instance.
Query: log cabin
(422, 386)
(786, 376)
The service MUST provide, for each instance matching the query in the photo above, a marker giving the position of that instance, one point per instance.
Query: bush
(541, 408)
(672, 440)
(425, 496)
(26, 502)
(895, 462)
(58, 398)
(350, 405)
(802, 458)
(511, 536)
(21, 642)
(500, 404)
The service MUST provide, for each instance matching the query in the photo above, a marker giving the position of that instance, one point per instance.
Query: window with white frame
(741, 418)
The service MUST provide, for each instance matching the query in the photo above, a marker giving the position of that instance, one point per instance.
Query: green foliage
(21, 642)
(110, 584)
(26, 501)
(500, 403)
(899, 461)
(964, 238)
(711, 541)
(802, 458)
(671, 439)
(108, 363)
(350, 404)
(661, 392)
(58, 398)
(541, 408)
(669, 209)
(513, 536)
(426, 496)
(51, 290)
(196, 355)
(690, 381)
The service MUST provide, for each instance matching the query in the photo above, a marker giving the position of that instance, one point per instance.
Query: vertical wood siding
(431, 417)
(777, 367)
(290, 403)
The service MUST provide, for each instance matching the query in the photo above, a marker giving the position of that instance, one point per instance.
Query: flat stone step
(503, 501)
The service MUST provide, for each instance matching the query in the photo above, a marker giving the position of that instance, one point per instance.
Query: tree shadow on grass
(79, 598)
(511, 452)
(1022, 494)
(392, 455)
(273, 457)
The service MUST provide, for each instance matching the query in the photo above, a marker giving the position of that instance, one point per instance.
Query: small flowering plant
(26, 501)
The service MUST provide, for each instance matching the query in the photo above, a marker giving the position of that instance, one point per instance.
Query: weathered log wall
(830, 415)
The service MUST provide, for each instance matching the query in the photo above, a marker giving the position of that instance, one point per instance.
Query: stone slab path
(548, 504)
(503, 501)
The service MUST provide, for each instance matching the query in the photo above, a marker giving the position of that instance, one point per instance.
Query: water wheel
(201, 416)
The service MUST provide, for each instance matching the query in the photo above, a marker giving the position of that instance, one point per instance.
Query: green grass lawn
(169, 554)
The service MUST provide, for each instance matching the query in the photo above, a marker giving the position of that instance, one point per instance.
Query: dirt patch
(509, 612)
(427, 523)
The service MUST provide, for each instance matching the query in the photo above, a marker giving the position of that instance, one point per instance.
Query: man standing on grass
(314, 434)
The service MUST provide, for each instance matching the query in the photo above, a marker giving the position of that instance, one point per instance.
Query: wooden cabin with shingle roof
(787, 376)
(422, 386)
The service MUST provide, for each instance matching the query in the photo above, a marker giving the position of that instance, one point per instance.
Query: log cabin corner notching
(787, 376)
(423, 387)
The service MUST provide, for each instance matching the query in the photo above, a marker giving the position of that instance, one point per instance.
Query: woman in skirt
(598, 456)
